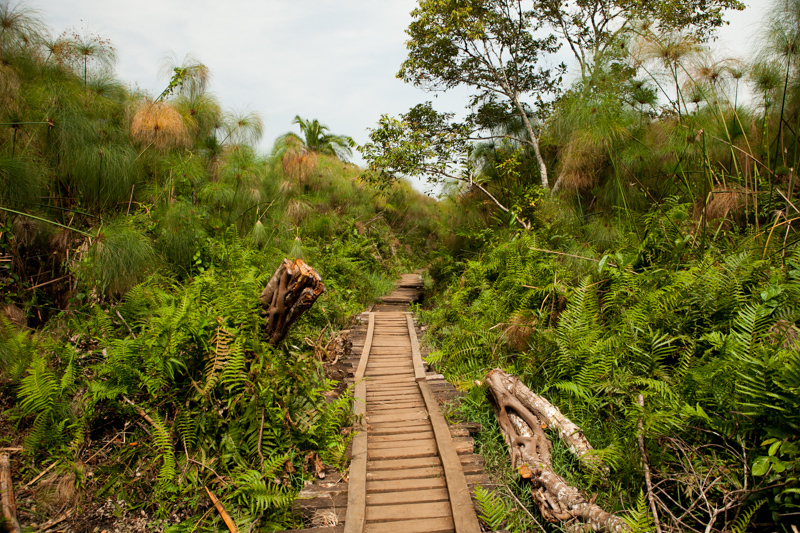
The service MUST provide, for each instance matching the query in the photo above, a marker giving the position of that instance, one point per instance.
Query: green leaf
(602, 264)
(774, 448)
(760, 466)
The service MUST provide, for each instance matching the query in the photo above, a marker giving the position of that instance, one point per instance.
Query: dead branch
(529, 448)
(290, 292)
(646, 466)
(7, 495)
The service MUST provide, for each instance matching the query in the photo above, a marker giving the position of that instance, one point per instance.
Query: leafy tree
(488, 45)
(591, 27)
(424, 142)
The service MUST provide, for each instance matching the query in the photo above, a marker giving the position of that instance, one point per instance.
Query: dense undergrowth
(136, 234)
(708, 337)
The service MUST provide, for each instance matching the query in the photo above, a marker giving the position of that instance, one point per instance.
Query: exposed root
(523, 426)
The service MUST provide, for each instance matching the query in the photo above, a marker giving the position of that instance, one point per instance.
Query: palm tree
(316, 139)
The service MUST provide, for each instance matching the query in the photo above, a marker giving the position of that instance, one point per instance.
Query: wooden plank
(416, 415)
(433, 525)
(417, 435)
(384, 513)
(402, 453)
(465, 519)
(406, 473)
(390, 363)
(362, 364)
(378, 408)
(356, 491)
(389, 429)
(387, 498)
(416, 358)
(418, 444)
(390, 371)
(395, 464)
(397, 485)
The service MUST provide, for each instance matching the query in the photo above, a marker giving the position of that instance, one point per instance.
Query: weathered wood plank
(397, 444)
(402, 453)
(395, 464)
(397, 485)
(389, 429)
(406, 473)
(387, 498)
(420, 511)
(356, 492)
(433, 525)
(466, 521)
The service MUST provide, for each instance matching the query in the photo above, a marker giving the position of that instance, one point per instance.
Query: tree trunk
(291, 291)
(534, 141)
(529, 448)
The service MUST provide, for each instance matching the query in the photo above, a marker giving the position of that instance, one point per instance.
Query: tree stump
(290, 292)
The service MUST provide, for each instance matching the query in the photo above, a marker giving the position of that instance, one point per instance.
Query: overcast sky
(333, 60)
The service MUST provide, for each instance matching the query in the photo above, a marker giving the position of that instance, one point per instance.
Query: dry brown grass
(14, 314)
(519, 330)
(582, 160)
(298, 164)
(297, 210)
(25, 230)
(786, 333)
(160, 125)
(724, 202)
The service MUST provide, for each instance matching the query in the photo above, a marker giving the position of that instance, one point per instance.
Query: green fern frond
(740, 526)
(491, 509)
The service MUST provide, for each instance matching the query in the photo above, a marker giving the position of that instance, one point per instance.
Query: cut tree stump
(290, 292)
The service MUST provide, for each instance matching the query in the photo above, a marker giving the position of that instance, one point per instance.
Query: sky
(331, 60)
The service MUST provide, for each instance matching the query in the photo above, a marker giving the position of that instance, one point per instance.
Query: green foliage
(122, 257)
(640, 520)
(708, 339)
(491, 509)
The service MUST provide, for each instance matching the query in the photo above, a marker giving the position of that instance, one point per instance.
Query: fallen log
(522, 423)
(549, 414)
(290, 292)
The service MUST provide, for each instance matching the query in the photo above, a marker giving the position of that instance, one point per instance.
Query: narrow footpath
(408, 471)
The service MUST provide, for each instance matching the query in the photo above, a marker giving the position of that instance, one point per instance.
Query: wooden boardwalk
(406, 474)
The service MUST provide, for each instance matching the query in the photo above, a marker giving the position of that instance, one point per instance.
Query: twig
(53, 521)
(221, 509)
(260, 435)
(46, 283)
(207, 468)
(41, 474)
(522, 506)
(646, 466)
(126, 324)
(9, 507)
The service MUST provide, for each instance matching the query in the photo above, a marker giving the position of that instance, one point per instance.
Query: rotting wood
(529, 448)
(9, 506)
(290, 292)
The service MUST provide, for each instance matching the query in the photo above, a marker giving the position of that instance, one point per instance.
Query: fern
(492, 509)
(640, 520)
(740, 526)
